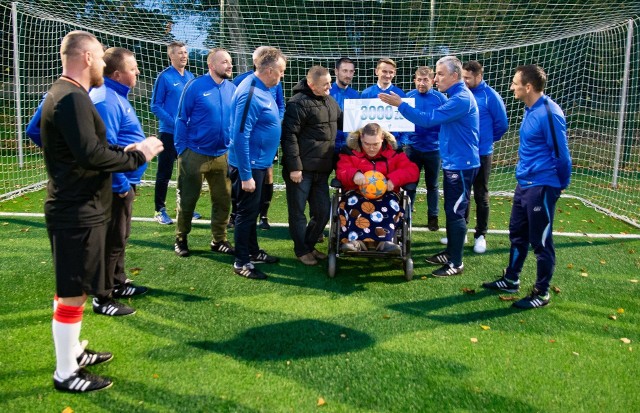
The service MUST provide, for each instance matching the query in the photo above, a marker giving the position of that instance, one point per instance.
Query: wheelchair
(402, 235)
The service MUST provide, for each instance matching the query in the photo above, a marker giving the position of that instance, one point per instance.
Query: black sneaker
(264, 223)
(503, 284)
(442, 257)
(128, 290)
(181, 247)
(533, 300)
(249, 271)
(432, 223)
(223, 246)
(448, 270)
(232, 222)
(91, 358)
(111, 308)
(261, 257)
(82, 381)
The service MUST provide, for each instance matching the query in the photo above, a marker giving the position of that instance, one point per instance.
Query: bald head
(82, 58)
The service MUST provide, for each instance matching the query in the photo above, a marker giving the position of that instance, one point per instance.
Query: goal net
(590, 50)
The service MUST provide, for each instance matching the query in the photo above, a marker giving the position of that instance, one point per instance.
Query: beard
(96, 78)
(223, 75)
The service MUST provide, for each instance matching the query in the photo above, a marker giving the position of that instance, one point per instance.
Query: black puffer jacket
(309, 131)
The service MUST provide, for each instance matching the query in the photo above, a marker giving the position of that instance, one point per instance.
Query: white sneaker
(480, 245)
(445, 241)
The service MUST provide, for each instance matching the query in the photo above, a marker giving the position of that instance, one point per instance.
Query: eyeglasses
(371, 144)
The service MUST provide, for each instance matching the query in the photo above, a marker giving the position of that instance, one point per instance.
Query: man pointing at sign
(458, 136)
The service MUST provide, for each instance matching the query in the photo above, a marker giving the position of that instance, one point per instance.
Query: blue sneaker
(162, 217)
(196, 215)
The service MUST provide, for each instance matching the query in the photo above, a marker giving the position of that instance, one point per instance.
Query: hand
(123, 195)
(249, 185)
(390, 185)
(359, 179)
(390, 99)
(296, 176)
(150, 147)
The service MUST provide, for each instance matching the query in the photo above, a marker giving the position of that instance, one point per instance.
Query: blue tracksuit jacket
(424, 139)
(493, 116)
(256, 127)
(276, 91)
(123, 127)
(167, 90)
(373, 91)
(543, 160)
(340, 94)
(204, 117)
(459, 128)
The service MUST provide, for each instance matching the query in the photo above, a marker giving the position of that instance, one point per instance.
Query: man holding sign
(458, 136)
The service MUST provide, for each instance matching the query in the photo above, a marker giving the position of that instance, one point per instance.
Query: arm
(245, 117)
(33, 128)
(346, 170)
(403, 171)
(185, 108)
(158, 100)
(280, 99)
(291, 127)
(562, 155)
(499, 115)
(77, 117)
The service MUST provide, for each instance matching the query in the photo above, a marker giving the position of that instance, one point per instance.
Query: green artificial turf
(206, 340)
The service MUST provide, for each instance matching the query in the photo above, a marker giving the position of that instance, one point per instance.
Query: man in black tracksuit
(309, 131)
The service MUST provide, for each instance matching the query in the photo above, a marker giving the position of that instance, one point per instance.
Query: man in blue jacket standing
(255, 136)
(493, 124)
(202, 140)
(267, 188)
(340, 90)
(167, 90)
(423, 146)
(542, 172)
(123, 128)
(459, 130)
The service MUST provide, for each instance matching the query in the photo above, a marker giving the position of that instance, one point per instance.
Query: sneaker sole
(80, 391)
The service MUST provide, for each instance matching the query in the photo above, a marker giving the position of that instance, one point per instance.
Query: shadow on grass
(424, 308)
(290, 340)
(29, 222)
(187, 298)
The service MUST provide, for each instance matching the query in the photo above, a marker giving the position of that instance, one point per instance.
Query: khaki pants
(193, 168)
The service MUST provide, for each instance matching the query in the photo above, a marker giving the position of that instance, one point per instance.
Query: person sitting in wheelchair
(371, 223)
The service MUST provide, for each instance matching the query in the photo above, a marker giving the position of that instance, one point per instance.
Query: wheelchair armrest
(410, 186)
(335, 183)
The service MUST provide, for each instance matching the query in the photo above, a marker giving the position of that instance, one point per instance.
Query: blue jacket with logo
(340, 94)
(493, 116)
(544, 158)
(204, 116)
(459, 128)
(166, 96)
(424, 139)
(255, 127)
(123, 127)
(374, 90)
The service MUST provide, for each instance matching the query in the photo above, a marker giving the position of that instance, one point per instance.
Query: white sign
(359, 112)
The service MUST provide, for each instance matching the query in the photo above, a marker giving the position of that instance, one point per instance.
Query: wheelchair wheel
(407, 265)
(332, 263)
(333, 237)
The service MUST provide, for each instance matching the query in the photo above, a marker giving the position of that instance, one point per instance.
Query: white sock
(66, 325)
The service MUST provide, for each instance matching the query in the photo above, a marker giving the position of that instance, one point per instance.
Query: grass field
(205, 340)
